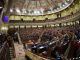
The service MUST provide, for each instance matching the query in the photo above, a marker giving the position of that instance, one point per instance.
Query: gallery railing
(48, 21)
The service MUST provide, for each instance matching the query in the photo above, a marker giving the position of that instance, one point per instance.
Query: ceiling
(38, 7)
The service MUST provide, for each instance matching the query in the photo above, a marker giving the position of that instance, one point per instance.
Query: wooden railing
(34, 56)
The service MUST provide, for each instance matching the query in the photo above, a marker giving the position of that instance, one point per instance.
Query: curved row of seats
(54, 41)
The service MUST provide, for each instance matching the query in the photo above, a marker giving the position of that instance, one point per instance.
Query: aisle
(20, 54)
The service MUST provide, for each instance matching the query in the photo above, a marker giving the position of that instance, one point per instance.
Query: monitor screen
(5, 19)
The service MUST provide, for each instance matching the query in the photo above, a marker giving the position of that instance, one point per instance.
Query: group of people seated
(55, 43)
(5, 44)
(30, 34)
(2, 39)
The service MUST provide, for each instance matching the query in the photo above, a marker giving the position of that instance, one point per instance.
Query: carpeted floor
(20, 54)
